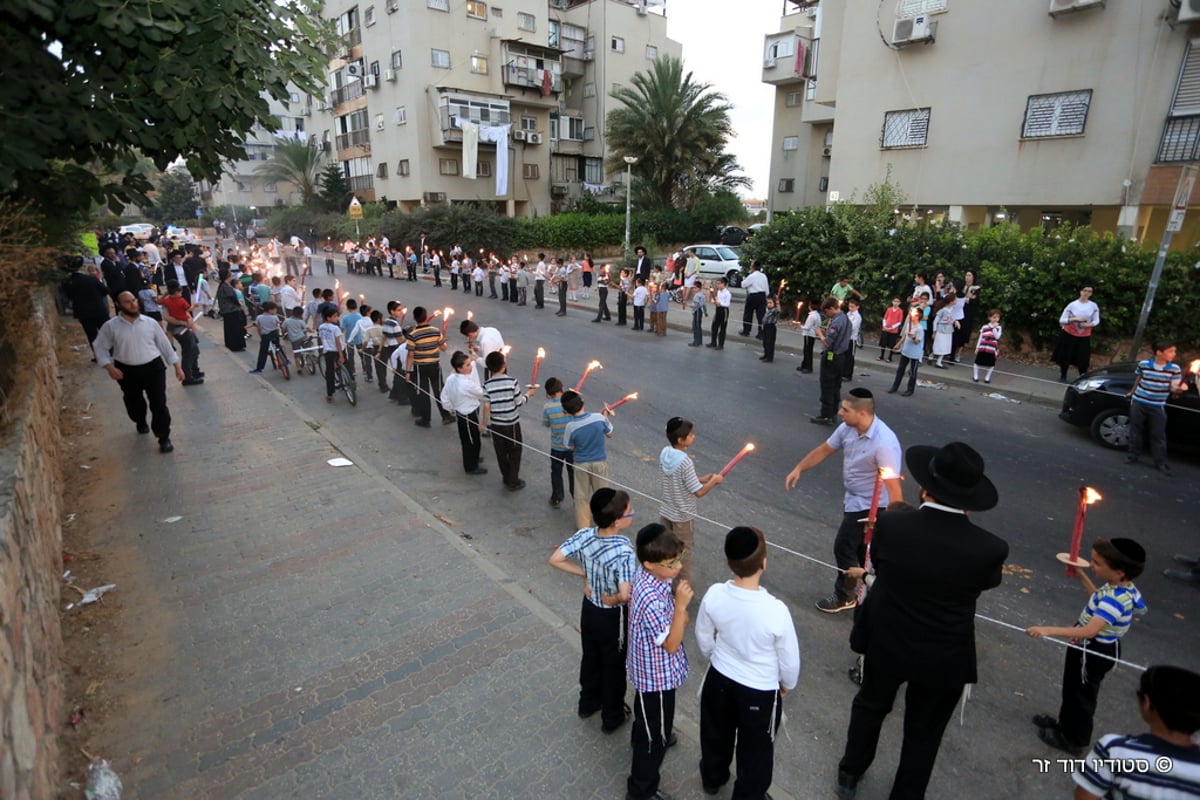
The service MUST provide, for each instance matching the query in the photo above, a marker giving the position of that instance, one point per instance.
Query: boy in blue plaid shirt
(604, 557)
(657, 663)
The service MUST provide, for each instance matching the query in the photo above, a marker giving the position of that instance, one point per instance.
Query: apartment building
(239, 185)
(420, 89)
(1041, 111)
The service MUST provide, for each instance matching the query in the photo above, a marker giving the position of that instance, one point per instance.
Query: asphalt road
(1036, 461)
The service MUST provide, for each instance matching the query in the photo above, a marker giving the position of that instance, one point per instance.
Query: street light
(629, 162)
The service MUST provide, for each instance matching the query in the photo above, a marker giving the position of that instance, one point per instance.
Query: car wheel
(733, 278)
(1111, 428)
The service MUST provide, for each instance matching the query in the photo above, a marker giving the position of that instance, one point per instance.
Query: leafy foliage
(296, 162)
(176, 200)
(104, 82)
(678, 129)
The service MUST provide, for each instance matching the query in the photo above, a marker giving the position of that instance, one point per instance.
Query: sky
(723, 46)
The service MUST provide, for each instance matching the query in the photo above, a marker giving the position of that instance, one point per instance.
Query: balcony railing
(530, 78)
(362, 136)
(348, 92)
(1180, 140)
(452, 132)
(361, 183)
(352, 38)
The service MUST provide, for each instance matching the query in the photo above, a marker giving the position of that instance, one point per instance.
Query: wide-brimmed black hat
(953, 475)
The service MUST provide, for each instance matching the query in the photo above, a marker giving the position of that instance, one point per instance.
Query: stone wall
(31, 684)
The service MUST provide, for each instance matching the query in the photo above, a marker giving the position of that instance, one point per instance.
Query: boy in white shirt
(855, 318)
(811, 323)
(639, 305)
(750, 641)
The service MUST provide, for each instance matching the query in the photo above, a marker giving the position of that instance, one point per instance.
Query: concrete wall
(31, 686)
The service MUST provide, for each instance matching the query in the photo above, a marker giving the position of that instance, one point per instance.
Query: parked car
(1097, 401)
(718, 261)
(756, 227)
(142, 231)
(181, 234)
(729, 234)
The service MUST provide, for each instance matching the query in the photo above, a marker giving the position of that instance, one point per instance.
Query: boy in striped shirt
(505, 399)
(1102, 623)
(1157, 379)
(681, 486)
(556, 419)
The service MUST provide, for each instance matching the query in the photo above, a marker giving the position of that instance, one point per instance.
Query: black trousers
(235, 330)
(807, 361)
(602, 666)
(514, 291)
(602, 310)
(453, 281)
(639, 318)
(189, 352)
(756, 307)
(848, 363)
(622, 307)
(849, 551)
(769, 332)
(562, 297)
(381, 368)
(653, 719)
(719, 324)
(428, 378)
(1153, 419)
(411, 268)
(91, 327)
(264, 347)
(491, 278)
(479, 288)
(331, 365)
(470, 438)
(733, 716)
(142, 386)
(911, 364)
(560, 459)
(504, 291)
(437, 275)
(831, 383)
(329, 268)
(1081, 679)
(927, 709)
(886, 342)
(507, 441)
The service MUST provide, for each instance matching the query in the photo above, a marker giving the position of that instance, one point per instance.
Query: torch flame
(749, 446)
(594, 365)
(1194, 367)
(886, 473)
(506, 349)
(1090, 495)
(541, 353)
(447, 311)
(631, 396)
(470, 314)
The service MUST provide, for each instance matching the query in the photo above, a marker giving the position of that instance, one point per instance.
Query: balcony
(350, 91)
(452, 132)
(361, 183)
(351, 39)
(573, 67)
(788, 58)
(358, 138)
(531, 78)
(1180, 140)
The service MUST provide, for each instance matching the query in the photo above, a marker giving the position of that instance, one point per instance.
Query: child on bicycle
(295, 331)
(267, 324)
(332, 348)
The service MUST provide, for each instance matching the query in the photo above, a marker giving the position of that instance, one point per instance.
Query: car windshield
(727, 254)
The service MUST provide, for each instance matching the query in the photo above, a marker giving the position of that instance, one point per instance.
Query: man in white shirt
(721, 319)
(481, 341)
(289, 295)
(134, 350)
(539, 282)
(756, 286)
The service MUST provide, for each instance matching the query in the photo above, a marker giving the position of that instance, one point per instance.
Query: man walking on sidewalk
(836, 337)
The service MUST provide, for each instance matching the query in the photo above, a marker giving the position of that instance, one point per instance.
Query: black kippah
(864, 394)
(741, 542)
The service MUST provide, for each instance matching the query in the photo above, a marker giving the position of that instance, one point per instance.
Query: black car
(729, 235)
(1098, 401)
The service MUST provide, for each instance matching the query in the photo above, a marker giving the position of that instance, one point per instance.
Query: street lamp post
(629, 162)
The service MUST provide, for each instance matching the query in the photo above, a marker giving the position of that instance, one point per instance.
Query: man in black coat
(113, 272)
(88, 296)
(645, 264)
(917, 624)
(194, 266)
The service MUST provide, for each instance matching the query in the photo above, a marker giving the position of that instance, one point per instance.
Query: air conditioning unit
(393, 6)
(534, 138)
(1058, 7)
(768, 63)
(589, 55)
(827, 152)
(370, 81)
(434, 197)
(1189, 10)
(913, 30)
(559, 190)
(354, 69)
(326, 146)
(494, 32)
(519, 135)
(389, 74)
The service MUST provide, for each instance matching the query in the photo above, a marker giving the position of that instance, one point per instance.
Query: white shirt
(488, 341)
(756, 281)
(462, 393)
(724, 298)
(539, 272)
(134, 342)
(152, 254)
(289, 298)
(749, 637)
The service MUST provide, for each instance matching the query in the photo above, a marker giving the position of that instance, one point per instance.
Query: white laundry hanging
(498, 134)
(470, 146)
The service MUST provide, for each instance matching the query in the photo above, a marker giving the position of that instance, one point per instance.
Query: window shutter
(1187, 92)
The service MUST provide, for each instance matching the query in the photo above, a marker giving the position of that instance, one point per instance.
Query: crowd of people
(637, 590)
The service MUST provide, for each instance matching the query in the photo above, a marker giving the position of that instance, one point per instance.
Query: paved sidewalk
(309, 631)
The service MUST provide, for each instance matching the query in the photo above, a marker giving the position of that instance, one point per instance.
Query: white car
(718, 261)
(141, 231)
(181, 234)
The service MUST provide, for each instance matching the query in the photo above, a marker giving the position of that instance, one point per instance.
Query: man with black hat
(917, 624)
(869, 446)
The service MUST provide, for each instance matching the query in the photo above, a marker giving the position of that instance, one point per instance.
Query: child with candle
(987, 349)
(681, 486)
(770, 328)
(1102, 623)
(699, 312)
(811, 323)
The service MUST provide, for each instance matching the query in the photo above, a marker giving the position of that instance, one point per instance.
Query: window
(401, 115)
(912, 8)
(381, 170)
(369, 16)
(483, 169)
(438, 5)
(530, 172)
(553, 128)
(617, 44)
(794, 99)
(270, 187)
(476, 10)
(397, 60)
(393, 6)
(823, 184)
(1181, 133)
(786, 184)
(589, 89)
(295, 97)
(651, 52)
(497, 12)
(791, 142)
(553, 32)
(908, 128)
(593, 170)
(447, 166)
(402, 167)
(526, 22)
(374, 68)
(379, 122)
(571, 128)
(440, 58)
(479, 65)
(459, 108)
(616, 87)
(780, 48)
(528, 123)
(1062, 114)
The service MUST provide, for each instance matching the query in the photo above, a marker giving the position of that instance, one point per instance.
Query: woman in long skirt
(1074, 346)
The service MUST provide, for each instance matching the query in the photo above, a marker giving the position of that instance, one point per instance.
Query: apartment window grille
(913, 8)
(497, 12)
(447, 166)
(526, 22)
(787, 185)
(791, 142)
(1181, 133)
(1061, 114)
(907, 128)
(402, 167)
(440, 58)
(589, 89)
(483, 169)
(397, 59)
(438, 5)
(651, 52)
(794, 99)
(530, 172)
(369, 16)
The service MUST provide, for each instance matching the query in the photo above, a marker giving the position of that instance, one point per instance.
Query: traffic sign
(355, 209)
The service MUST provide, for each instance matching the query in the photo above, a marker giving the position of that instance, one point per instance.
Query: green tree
(678, 130)
(295, 162)
(104, 82)
(335, 191)
(176, 197)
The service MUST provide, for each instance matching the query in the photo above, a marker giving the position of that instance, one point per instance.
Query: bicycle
(278, 359)
(307, 356)
(341, 378)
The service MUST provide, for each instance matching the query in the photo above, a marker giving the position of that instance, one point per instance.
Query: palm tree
(296, 162)
(678, 130)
